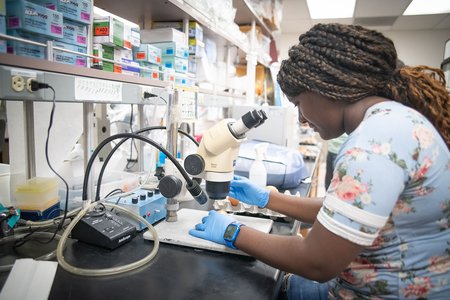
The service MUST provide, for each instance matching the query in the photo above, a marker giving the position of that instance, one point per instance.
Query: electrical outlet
(17, 83)
(29, 80)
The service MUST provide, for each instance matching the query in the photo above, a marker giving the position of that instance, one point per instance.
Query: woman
(382, 229)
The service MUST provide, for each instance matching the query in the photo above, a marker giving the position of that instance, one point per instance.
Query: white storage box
(160, 35)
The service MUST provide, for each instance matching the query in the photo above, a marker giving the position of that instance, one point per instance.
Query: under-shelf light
(331, 9)
(427, 7)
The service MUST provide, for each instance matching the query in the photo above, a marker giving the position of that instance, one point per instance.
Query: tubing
(108, 271)
(19, 237)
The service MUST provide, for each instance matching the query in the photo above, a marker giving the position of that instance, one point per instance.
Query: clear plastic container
(38, 193)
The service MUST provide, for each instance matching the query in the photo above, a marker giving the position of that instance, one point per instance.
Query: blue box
(74, 33)
(36, 215)
(76, 10)
(24, 49)
(3, 31)
(180, 65)
(173, 49)
(69, 58)
(34, 18)
(152, 208)
(2, 7)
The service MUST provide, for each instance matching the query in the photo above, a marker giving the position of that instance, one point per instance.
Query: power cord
(35, 86)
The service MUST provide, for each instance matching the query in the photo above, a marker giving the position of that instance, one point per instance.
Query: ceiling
(382, 15)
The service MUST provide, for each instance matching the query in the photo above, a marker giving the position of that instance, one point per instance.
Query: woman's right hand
(245, 191)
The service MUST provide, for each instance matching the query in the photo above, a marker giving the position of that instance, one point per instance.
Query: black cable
(110, 154)
(91, 161)
(114, 192)
(35, 85)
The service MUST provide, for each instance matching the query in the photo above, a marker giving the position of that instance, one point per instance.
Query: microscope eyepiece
(254, 118)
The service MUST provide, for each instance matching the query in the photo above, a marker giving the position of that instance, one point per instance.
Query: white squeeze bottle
(258, 172)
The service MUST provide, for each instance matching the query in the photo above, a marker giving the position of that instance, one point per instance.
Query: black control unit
(103, 229)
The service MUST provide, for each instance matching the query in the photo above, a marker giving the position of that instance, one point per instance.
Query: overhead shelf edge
(245, 13)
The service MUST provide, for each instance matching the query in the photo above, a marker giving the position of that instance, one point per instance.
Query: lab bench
(176, 272)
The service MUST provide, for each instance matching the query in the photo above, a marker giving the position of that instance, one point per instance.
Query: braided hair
(350, 62)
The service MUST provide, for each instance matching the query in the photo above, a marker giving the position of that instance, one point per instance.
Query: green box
(108, 31)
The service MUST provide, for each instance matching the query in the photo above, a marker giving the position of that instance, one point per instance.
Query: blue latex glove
(212, 227)
(245, 191)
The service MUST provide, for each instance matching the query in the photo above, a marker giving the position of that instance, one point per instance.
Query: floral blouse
(390, 192)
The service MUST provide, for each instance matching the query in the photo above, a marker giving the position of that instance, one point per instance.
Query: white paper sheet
(29, 280)
(178, 232)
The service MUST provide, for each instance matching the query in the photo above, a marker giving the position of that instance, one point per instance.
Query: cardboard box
(74, 33)
(2, 31)
(178, 25)
(148, 53)
(135, 37)
(173, 49)
(194, 29)
(27, 16)
(69, 58)
(108, 31)
(180, 65)
(167, 74)
(126, 56)
(196, 48)
(107, 52)
(24, 49)
(75, 10)
(2, 7)
(131, 37)
(152, 72)
(161, 35)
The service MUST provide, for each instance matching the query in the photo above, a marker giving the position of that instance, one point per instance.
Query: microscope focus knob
(194, 164)
(170, 186)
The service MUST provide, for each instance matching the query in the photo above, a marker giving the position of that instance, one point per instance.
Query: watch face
(229, 232)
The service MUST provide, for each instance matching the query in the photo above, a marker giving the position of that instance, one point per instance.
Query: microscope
(218, 151)
(214, 162)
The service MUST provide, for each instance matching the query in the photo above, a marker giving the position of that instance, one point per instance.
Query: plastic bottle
(258, 172)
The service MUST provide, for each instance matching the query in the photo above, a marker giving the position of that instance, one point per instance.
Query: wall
(424, 47)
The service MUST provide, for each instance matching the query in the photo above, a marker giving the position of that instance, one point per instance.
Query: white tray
(178, 232)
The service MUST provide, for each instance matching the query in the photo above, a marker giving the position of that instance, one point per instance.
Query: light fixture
(331, 9)
(427, 7)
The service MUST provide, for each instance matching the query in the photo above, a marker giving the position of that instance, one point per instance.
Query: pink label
(80, 62)
(85, 16)
(81, 40)
(50, 6)
(13, 22)
(56, 29)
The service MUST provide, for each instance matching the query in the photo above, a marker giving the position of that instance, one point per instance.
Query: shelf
(144, 12)
(245, 14)
(66, 77)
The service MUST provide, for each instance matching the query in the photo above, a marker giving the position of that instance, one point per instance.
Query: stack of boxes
(2, 25)
(63, 22)
(161, 53)
(172, 46)
(149, 57)
(115, 40)
(169, 37)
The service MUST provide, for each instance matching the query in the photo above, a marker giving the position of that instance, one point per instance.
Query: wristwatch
(231, 234)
